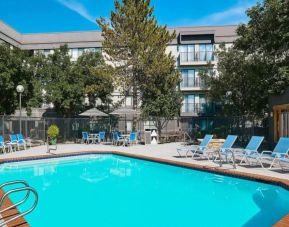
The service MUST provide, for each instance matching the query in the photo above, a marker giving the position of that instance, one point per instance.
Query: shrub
(53, 131)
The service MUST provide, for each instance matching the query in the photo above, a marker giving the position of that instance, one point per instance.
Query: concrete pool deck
(164, 153)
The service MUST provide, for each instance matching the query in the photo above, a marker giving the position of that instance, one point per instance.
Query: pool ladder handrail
(11, 191)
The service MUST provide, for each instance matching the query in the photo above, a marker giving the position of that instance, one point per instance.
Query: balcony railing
(196, 82)
(199, 108)
(196, 56)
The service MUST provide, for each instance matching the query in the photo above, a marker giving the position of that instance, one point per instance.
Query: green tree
(161, 101)
(132, 41)
(266, 36)
(258, 63)
(15, 69)
(162, 109)
(239, 86)
(98, 82)
(63, 85)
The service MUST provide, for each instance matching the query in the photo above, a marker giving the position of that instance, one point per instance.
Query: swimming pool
(111, 190)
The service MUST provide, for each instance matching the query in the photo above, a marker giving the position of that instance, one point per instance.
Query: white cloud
(78, 8)
(230, 14)
(233, 15)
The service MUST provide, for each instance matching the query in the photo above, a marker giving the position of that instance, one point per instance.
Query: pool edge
(227, 172)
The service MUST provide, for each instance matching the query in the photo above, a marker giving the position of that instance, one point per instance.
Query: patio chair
(117, 138)
(86, 138)
(132, 138)
(14, 142)
(101, 136)
(280, 151)
(251, 147)
(2, 144)
(196, 148)
(226, 150)
(22, 141)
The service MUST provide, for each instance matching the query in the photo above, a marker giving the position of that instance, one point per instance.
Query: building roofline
(78, 39)
(204, 26)
(99, 31)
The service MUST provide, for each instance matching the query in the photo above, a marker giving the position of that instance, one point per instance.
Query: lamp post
(20, 90)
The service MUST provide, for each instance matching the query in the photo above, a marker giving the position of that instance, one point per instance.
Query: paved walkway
(166, 151)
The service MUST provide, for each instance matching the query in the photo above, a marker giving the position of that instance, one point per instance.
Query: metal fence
(71, 128)
(243, 127)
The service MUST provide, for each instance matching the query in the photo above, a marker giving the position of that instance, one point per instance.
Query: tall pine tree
(133, 41)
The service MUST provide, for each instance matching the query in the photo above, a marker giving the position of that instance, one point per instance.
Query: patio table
(11, 145)
(126, 139)
(94, 137)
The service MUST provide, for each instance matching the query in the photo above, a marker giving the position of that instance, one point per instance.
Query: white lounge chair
(195, 148)
(252, 147)
(280, 151)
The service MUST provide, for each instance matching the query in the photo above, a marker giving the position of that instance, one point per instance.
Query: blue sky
(33, 16)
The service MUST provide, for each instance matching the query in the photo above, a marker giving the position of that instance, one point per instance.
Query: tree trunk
(134, 106)
(159, 128)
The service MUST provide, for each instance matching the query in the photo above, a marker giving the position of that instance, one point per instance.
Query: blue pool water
(116, 191)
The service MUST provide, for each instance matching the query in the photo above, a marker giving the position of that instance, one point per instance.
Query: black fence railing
(243, 127)
(71, 128)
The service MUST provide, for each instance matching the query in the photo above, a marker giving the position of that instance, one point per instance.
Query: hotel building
(194, 49)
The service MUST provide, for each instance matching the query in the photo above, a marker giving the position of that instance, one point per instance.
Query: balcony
(189, 84)
(197, 58)
(198, 109)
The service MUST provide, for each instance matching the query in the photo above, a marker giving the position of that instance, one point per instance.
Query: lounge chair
(251, 147)
(284, 163)
(86, 138)
(226, 150)
(280, 151)
(101, 136)
(196, 148)
(22, 142)
(2, 144)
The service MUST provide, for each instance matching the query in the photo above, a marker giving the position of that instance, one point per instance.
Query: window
(206, 52)
(194, 103)
(80, 51)
(189, 103)
(196, 52)
(74, 53)
(190, 78)
(187, 53)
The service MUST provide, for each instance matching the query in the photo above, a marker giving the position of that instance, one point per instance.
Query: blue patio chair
(226, 150)
(280, 151)
(251, 147)
(114, 137)
(86, 138)
(117, 138)
(2, 144)
(196, 149)
(14, 142)
(21, 141)
(101, 136)
(132, 138)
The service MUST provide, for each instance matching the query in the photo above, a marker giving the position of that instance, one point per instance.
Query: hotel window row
(74, 52)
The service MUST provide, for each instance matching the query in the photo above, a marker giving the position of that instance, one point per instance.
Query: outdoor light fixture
(20, 90)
